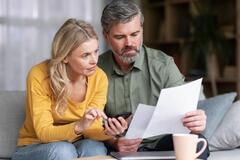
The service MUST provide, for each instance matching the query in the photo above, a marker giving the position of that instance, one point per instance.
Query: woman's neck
(75, 78)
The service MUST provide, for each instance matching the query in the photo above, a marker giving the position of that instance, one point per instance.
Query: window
(27, 30)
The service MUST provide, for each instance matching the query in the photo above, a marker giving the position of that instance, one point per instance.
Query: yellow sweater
(43, 125)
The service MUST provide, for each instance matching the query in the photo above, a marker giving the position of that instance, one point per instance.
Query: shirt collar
(140, 59)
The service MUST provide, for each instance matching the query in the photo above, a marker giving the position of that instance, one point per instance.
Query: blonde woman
(65, 100)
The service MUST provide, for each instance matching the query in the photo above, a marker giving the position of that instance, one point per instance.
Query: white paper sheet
(172, 105)
(140, 121)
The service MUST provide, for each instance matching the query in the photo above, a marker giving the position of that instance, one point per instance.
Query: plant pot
(213, 71)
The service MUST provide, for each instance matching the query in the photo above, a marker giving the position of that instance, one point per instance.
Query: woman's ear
(65, 60)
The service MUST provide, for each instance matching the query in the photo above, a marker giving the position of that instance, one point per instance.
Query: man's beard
(126, 58)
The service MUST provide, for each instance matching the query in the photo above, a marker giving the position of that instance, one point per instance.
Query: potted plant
(206, 41)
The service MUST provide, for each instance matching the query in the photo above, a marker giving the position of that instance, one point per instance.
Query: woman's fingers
(91, 114)
(97, 113)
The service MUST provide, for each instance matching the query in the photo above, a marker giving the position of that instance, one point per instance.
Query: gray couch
(12, 113)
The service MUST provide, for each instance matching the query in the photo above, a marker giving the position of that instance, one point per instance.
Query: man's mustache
(128, 49)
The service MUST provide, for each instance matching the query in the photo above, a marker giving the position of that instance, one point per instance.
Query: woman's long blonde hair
(70, 35)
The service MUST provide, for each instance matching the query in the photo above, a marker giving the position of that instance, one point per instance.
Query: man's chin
(130, 54)
(128, 60)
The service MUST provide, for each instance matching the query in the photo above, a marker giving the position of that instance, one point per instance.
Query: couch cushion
(12, 114)
(215, 108)
(225, 155)
(227, 135)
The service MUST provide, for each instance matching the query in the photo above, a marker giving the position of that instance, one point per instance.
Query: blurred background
(201, 35)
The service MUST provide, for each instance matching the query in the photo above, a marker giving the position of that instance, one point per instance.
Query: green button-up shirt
(152, 71)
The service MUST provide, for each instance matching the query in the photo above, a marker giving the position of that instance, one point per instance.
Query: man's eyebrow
(124, 34)
(118, 35)
(135, 32)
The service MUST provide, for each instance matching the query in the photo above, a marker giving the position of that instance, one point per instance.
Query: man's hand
(128, 145)
(125, 145)
(195, 121)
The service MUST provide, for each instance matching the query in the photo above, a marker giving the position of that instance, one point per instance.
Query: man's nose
(128, 41)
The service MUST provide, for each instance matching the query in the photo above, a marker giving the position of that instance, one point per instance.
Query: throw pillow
(227, 135)
(215, 109)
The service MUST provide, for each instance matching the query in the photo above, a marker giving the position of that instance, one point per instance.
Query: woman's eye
(84, 55)
(97, 51)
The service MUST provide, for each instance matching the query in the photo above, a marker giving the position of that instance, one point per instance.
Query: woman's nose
(94, 59)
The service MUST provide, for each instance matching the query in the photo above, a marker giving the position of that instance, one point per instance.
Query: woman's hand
(90, 115)
(115, 127)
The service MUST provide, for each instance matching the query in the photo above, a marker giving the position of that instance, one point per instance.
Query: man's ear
(105, 34)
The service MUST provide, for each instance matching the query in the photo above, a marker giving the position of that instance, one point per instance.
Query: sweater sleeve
(96, 130)
(39, 103)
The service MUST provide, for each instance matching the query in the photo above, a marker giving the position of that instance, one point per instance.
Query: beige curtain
(27, 28)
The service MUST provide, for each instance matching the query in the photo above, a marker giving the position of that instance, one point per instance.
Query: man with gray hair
(136, 75)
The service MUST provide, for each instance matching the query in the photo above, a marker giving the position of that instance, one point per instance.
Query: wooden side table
(97, 158)
(100, 158)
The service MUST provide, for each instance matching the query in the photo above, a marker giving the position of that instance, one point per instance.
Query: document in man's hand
(165, 118)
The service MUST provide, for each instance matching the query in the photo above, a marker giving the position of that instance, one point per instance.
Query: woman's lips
(92, 68)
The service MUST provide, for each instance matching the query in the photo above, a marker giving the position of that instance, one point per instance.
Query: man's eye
(134, 35)
(118, 37)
